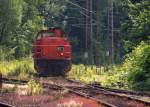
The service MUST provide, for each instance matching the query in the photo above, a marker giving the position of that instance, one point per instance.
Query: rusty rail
(91, 92)
(5, 105)
(138, 93)
(86, 90)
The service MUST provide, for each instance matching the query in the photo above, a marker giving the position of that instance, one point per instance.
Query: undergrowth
(108, 77)
(111, 76)
(20, 68)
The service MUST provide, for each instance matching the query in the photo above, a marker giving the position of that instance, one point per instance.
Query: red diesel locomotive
(52, 52)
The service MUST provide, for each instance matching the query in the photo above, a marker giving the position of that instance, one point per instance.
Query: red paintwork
(47, 47)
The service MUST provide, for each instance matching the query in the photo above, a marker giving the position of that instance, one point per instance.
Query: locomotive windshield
(48, 34)
(45, 34)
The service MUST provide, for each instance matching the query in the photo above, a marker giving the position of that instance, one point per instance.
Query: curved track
(5, 105)
(105, 96)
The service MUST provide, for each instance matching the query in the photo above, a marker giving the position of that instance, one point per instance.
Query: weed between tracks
(60, 94)
(34, 88)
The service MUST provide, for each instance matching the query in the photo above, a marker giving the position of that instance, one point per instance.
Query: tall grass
(111, 76)
(21, 68)
(86, 74)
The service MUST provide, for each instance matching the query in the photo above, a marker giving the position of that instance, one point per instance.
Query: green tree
(19, 22)
(31, 23)
(10, 17)
(135, 26)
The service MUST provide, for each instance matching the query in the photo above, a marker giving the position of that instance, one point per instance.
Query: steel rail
(111, 92)
(108, 93)
(89, 87)
(5, 105)
(58, 86)
(22, 82)
(14, 81)
(79, 92)
(138, 93)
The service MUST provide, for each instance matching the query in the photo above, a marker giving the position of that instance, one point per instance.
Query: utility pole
(98, 33)
(112, 32)
(86, 55)
(91, 31)
(108, 53)
(87, 25)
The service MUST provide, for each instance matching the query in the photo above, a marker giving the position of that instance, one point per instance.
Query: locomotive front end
(52, 52)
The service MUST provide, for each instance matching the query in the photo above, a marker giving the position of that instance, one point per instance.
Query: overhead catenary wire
(80, 22)
(80, 7)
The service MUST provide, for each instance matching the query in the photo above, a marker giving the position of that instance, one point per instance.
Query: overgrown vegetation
(109, 77)
(134, 73)
(34, 88)
(23, 69)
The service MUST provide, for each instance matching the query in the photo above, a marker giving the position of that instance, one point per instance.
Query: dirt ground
(49, 98)
(46, 100)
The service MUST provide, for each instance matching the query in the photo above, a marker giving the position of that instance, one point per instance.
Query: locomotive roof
(51, 29)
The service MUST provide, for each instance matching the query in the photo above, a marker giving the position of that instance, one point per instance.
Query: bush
(115, 77)
(137, 65)
(6, 53)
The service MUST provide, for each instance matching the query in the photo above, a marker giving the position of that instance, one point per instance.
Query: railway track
(104, 96)
(123, 91)
(127, 92)
(5, 105)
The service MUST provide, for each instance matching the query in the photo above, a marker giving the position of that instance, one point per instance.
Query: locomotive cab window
(48, 34)
(45, 34)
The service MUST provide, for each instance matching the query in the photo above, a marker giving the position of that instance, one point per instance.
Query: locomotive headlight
(61, 54)
(60, 48)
